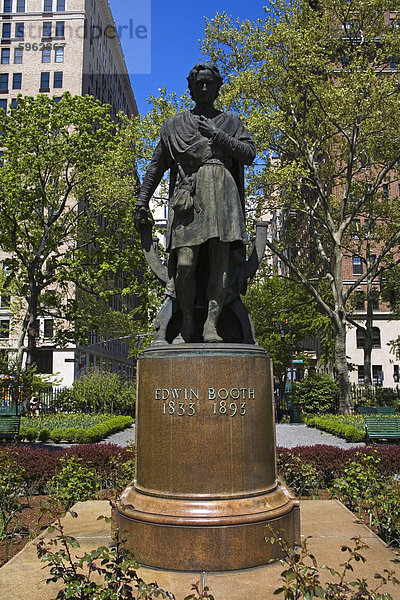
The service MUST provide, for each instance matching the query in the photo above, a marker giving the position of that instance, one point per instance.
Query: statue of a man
(205, 150)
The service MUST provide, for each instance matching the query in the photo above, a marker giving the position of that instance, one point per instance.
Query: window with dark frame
(45, 81)
(58, 79)
(3, 105)
(48, 6)
(7, 6)
(20, 6)
(357, 265)
(46, 55)
(5, 56)
(3, 81)
(361, 379)
(19, 30)
(48, 328)
(396, 373)
(377, 375)
(18, 56)
(60, 27)
(4, 328)
(17, 81)
(46, 32)
(6, 31)
(60, 6)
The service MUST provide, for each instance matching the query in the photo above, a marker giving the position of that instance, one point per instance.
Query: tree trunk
(368, 340)
(342, 370)
(31, 329)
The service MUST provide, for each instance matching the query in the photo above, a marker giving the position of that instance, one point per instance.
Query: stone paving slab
(328, 523)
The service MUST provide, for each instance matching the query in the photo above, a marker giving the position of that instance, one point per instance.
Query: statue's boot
(210, 326)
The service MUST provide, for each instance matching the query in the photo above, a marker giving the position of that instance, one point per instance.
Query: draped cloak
(216, 167)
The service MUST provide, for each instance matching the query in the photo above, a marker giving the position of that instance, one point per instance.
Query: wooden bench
(382, 428)
(9, 426)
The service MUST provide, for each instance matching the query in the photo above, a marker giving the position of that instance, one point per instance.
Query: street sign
(297, 360)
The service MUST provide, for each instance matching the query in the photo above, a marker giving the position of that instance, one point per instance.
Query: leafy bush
(100, 392)
(386, 397)
(28, 433)
(11, 478)
(317, 394)
(74, 482)
(302, 477)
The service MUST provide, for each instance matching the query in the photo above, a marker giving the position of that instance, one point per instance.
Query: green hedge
(348, 432)
(78, 435)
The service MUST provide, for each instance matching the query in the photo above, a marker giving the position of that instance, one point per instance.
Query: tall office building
(50, 47)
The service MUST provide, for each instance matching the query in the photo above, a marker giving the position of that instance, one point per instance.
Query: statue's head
(204, 66)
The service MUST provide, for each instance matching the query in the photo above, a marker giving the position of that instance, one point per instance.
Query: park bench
(9, 426)
(385, 410)
(382, 428)
(366, 410)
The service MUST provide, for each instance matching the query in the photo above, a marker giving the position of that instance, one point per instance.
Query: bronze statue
(205, 150)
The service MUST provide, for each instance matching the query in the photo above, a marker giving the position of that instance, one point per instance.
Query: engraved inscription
(180, 402)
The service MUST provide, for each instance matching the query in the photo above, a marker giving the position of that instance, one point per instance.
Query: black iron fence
(17, 399)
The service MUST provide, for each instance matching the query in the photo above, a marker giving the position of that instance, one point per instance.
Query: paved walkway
(287, 436)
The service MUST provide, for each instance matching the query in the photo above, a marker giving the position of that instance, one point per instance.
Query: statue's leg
(185, 283)
(217, 285)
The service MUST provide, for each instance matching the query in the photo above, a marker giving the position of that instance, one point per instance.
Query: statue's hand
(142, 217)
(207, 127)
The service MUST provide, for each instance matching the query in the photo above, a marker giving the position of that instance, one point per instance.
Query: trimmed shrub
(28, 433)
(317, 394)
(44, 435)
(347, 432)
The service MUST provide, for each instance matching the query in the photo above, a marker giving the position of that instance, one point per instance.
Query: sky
(160, 39)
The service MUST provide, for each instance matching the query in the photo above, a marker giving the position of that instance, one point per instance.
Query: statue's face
(205, 87)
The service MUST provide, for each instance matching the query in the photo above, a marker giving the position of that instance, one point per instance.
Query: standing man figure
(205, 150)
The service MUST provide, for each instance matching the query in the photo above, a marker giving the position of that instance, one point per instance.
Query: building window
(359, 301)
(14, 103)
(355, 229)
(360, 337)
(7, 6)
(46, 33)
(60, 5)
(4, 328)
(17, 81)
(385, 191)
(5, 301)
(46, 55)
(1, 158)
(3, 105)
(6, 31)
(376, 337)
(48, 328)
(18, 56)
(396, 373)
(361, 379)
(5, 56)
(357, 265)
(19, 30)
(393, 62)
(48, 6)
(44, 82)
(60, 29)
(20, 6)
(377, 375)
(4, 81)
(58, 79)
(59, 55)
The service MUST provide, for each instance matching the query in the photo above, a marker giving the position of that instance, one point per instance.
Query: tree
(57, 224)
(284, 316)
(315, 84)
